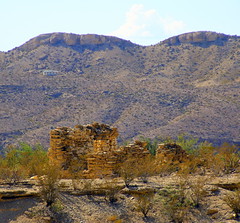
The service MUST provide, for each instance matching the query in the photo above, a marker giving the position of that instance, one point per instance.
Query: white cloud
(171, 26)
(136, 22)
(147, 26)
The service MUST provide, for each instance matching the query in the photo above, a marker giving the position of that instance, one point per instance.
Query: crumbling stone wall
(94, 144)
(101, 164)
(72, 143)
(171, 152)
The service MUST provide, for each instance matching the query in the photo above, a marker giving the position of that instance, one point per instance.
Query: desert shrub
(232, 199)
(204, 159)
(164, 167)
(127, 170)
(146, 167)
(221, 160)
(132, 168)
(228, 157)
(144, 201)
(188, 143)
(22, 161)
(12, 175)
(111, 191)
(175, 203)
(39, 159)
(57, 212)
(57, 206)
(49, 184)
(190, 166)
(197, 190)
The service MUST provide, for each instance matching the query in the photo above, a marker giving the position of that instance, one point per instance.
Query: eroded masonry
(93, 146)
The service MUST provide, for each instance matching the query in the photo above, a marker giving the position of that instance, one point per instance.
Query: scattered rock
(212, 211)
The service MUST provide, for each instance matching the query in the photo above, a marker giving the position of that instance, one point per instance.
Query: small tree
(197, 190)
(12, 165)
(49, 184)
(144, 201)
(229, 157)
(127, 170)
(147, 166)
(23, 161)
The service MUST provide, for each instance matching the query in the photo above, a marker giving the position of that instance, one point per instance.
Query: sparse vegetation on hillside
(161, 89)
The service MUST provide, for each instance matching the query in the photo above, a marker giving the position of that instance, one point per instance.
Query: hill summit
(70, 39)
(186, 84)
(201, 37)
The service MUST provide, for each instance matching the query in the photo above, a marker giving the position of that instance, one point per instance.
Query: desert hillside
(185, 84)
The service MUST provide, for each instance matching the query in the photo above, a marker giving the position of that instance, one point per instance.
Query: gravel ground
(97, 208)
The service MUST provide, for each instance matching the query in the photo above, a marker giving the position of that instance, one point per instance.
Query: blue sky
(144, 22)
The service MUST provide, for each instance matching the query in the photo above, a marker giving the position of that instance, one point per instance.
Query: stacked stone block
(94, 144)
(171, 152)
(59, 143)
(102, 164)
(68, 144)
(135, 150)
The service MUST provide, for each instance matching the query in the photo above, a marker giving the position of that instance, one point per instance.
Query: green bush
(22, 161)
(152, 144)
(188, 143)
(176, 201)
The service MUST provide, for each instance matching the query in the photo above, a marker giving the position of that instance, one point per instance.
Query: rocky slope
(201, 38)
(185, 84)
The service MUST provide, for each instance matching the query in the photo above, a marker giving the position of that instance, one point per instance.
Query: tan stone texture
(98, 143)
(171, 152)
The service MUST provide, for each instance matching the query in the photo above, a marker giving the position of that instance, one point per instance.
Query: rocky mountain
(185, 84)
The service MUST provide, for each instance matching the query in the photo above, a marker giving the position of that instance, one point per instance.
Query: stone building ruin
(94, 146)
(93, 149)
